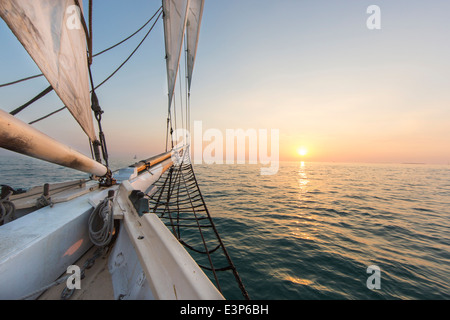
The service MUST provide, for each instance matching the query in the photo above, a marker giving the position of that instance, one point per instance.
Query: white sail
(52, 33)
(175, 17)
(192, 34)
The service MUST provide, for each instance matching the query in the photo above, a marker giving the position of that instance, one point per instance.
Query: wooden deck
(96, 285)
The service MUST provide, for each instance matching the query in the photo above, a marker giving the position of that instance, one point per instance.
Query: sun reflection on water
(302, 178)
(297, 280)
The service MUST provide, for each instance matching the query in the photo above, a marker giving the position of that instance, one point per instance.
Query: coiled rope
(101, 223)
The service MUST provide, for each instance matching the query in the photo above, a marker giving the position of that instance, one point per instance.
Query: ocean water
(312, 230)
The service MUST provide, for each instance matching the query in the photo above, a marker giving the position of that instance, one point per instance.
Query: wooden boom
(20, 137)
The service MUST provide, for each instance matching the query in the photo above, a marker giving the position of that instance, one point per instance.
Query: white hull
(36, 249)
(146, 262)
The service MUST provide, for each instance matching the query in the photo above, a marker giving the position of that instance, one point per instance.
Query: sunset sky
(311, 69)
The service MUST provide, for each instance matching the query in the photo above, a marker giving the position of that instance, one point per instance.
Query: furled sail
(175, 17)
(192, 34)
(52, 33)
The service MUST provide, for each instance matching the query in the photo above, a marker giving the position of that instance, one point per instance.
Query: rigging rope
(171, 116)
(181, 103)
(49, 89)
(186, 85)
(39, 96)
(108, 78)
(91, 35)
(134, 51)
(95, 55)
(129, 37)
(21, 80)
(185, 116)
(48, 115)
(179, 201)
(86, 30)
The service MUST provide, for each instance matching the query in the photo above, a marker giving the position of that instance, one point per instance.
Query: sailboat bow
(135, 216)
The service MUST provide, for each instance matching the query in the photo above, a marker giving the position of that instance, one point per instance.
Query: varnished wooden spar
(20, 137)
(145, 164)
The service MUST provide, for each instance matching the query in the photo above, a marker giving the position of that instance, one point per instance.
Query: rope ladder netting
(179, 203)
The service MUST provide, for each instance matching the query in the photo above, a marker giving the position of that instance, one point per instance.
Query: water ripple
(314, 230)
(311, 231)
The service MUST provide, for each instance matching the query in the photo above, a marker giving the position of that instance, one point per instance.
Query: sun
(302, 151)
